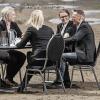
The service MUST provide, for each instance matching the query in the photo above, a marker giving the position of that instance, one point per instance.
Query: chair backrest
(55, 48)
(97, 52)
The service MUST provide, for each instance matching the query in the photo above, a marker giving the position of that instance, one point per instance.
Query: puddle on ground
(62, 6)
(69, 0)
(9, 4)
(92, 12)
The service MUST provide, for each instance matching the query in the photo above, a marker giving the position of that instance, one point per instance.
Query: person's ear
(6, 16)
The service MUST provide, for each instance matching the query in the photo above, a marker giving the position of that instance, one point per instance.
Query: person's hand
(17, 40)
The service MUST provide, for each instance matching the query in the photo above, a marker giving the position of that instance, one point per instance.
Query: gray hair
(6, 11)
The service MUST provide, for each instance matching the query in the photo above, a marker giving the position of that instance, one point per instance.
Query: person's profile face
(64, 17)
(12, 16)
(76, 18)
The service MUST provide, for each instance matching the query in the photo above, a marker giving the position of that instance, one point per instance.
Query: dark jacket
(85, 43)
(4, 54)
(13, 26)
(71, 29)
(38, 39)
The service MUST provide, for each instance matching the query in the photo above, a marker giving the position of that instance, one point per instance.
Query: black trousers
(71, 58)
(14, 63)
(31, 62)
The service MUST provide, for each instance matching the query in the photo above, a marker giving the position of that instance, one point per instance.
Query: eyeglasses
(63, 16)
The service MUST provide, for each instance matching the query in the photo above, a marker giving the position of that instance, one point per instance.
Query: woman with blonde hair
(38, 34)
(14, 59)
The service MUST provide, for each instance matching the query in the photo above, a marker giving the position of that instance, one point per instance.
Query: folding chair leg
(72, 76)
(44, 75)
(26, 80)
(44, 84)
(63, 86)
(95, 78)
(0, 80)
(20, 76)
(3, 71)
(81, 74)
(48, 76)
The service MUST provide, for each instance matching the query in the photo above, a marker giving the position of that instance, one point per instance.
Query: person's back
(39, 38)
(38, 35)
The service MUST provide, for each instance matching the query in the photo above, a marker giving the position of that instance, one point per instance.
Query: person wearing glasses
(14, 59)
(67, 29)
(84, 39)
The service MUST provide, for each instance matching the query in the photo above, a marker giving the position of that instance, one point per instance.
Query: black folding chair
(54, 52)
(87, 67)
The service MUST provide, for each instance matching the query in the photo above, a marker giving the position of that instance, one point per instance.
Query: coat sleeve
(25, 38)
(78, 35)
(19, 32)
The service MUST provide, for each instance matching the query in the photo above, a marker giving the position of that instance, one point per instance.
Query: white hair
(36, 19)
(6, 11)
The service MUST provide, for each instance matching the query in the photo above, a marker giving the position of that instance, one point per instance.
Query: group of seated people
(76, 30)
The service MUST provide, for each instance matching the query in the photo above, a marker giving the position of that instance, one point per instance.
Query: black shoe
(73, 86)
(11, 82)
(19, 90)
(56, 84)
(15, 83)
(3, 84)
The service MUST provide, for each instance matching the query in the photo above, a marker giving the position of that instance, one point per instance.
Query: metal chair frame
(45, 67)
(87, 67)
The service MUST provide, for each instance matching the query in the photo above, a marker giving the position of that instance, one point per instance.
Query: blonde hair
(6, 11)
(36, 19)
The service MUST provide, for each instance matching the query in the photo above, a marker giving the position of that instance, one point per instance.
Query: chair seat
(52, 67)
(84, 63)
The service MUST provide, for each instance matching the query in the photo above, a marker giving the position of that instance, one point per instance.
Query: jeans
(70, 58)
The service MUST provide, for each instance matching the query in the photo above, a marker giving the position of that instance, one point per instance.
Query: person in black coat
(38, 35)
(14, 59)
(85, 48)
(67, 29)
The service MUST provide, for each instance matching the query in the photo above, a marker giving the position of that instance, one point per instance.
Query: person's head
(64, 15)
(8, 13)
(77, 16)
(36, 19)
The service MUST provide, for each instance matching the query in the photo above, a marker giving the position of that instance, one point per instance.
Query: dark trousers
(15, 62)
(66, 58)
(22, 85)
